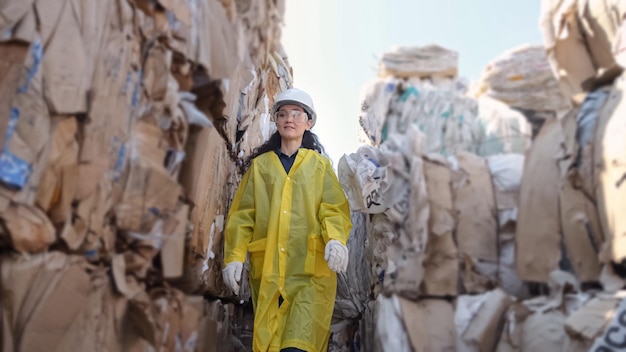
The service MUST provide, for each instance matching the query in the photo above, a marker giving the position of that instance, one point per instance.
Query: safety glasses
(296, 115)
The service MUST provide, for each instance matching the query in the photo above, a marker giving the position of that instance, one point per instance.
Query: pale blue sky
(334, 45)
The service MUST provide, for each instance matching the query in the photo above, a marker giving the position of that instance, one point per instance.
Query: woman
(291, 214)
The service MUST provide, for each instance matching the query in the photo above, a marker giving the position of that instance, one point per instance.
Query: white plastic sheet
(390, 332)
(504, 130)
(364, 177)
(506, 173)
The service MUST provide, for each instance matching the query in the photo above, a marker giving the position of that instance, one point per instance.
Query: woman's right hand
(232, 276)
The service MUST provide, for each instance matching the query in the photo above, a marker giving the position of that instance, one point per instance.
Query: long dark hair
(309, 141)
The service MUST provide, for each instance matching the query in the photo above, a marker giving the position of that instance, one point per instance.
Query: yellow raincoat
(284, 221)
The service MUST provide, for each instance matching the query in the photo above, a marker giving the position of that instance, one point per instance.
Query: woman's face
(292, 121)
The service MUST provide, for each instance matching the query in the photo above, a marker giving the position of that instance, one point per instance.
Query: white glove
(336, 254)
(232, 276)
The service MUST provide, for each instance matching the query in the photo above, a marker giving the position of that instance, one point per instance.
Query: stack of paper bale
(453, 231)
(569, 233)
(522, 79)
(238, 105)
(434, 211)
(419, 86)
(571, 186)
(121, 122)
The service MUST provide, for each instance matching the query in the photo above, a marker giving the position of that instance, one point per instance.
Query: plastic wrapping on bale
(522, 78)
(344, 336)
(588, 117)
(437, 107)
(447, 118)
(512, 69)
(353, 286)
(367, 180)
(506, 173)
(583, 175)
(508, 278)
(367, 326)
(375, 99)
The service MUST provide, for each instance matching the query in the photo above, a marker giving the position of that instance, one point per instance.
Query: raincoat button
(282, 249)
(284, 211)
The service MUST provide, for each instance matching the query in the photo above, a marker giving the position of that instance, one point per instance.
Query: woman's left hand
(336, 254)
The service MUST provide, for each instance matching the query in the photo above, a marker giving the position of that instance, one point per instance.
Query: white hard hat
(298, 97)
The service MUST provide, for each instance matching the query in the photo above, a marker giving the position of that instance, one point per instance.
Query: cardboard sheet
(538, 233)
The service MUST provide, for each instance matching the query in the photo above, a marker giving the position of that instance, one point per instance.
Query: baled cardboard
(538, 233)
(441, 264)
(203, 176)
(474, 202)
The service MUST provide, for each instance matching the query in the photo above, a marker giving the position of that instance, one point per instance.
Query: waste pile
(121, 125)
(489, 220)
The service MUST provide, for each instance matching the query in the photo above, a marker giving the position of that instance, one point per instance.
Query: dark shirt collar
(280, 153)
(286, 160)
